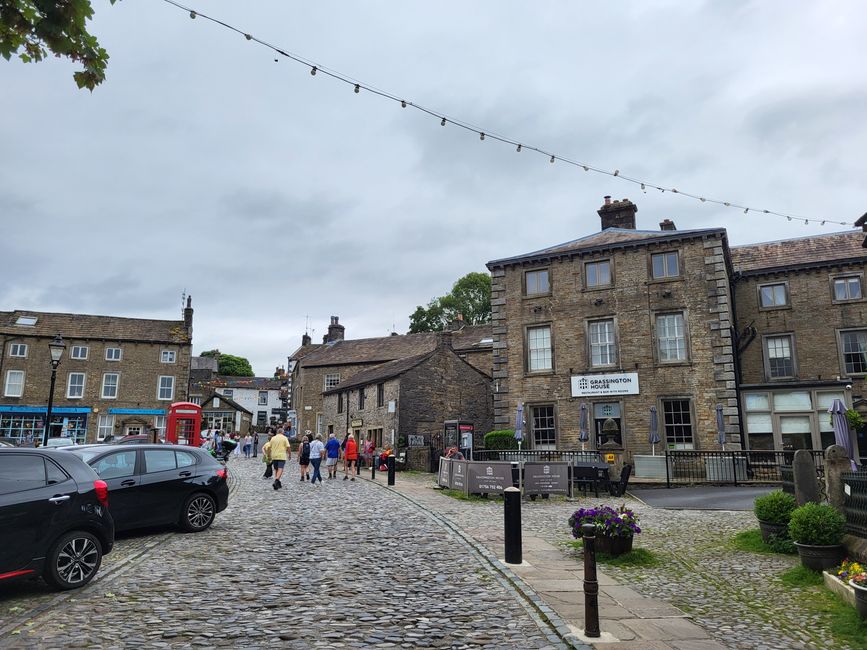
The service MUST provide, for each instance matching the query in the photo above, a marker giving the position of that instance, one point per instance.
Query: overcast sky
(270, 195)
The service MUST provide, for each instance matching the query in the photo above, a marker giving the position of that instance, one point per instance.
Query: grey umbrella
(841, 429)
(583, 426)
(653, 437)
(720, 426)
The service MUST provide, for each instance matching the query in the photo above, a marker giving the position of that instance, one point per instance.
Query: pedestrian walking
(351, 457)
(304, 457)
(237, 440)
(266, 458)
(279, 453)
(248, 443)
(255, 444)
(332, 453)
(317, 453)
(368, 451)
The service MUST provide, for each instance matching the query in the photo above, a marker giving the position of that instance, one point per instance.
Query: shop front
(24, 424)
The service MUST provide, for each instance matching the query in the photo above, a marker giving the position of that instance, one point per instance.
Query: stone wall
(372, 416)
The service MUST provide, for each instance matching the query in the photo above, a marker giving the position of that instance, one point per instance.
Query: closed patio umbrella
(841, 429)
(720, 427)
(653, 437)
(583, 426)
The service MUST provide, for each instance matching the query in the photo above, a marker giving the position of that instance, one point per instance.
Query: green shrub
(775, 507)
(817, 524)
(502, 439)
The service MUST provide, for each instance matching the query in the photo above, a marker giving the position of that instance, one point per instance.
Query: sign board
(488, 478)
(466, 431)
(459, 475)
(621, 383)
(609, 458)
(415, 440)
(546, 478)
(391, 405)
(444, 477)
(357, 423)
(847, 489)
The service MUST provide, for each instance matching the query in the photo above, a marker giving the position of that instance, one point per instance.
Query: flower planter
(768, 528)
(649, 466)
(860, 598)
(613, 546)
(819, 558)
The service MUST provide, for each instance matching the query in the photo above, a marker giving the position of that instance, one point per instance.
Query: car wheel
(199, 512)
(73, 560)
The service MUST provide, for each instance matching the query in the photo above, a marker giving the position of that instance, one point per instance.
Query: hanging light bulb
(518, 149)
(617, 172)
(746, 210)
(586, 168)
(806, 222)
(403, 103)
(481, 136)
(443, 122)
(249, 37)
(193, 15)
(313, 71)
(823, 222)
(702, 199)
(357, 89)
(726, 203)
(766, 211)
(788, 218)
(642, 186)
(552, 160)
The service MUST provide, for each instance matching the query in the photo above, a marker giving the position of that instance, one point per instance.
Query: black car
(54, 517)
(154, 485)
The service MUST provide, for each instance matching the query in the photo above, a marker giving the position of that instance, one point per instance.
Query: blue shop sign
(114, 411)
(43, 409)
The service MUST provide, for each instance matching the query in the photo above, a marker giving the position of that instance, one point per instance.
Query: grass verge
(751, 541)
(637, 557)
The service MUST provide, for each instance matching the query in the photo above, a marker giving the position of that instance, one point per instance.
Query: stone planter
(649, 466)
(614, 546)
(860, 599)
(768, 529)
(819, 558)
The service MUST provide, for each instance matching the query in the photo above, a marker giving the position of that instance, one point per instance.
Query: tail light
(101, 488)
(221, 473)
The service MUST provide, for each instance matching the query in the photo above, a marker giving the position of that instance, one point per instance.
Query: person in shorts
(304, 457)
(350, 456)
(332, 453)
(280, 453)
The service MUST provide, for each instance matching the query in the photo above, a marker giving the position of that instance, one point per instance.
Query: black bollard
(390, 464)
(373, 470)
(512, 525)
(591, 586)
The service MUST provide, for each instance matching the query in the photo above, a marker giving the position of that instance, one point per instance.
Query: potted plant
(859, 584)
(773, 510)
(615, 529)
(817, 530)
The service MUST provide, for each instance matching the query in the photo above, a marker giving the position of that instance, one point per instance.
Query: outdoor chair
(587, 477)
(618, 489)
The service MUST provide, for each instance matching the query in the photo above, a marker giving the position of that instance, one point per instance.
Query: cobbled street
(346, 565)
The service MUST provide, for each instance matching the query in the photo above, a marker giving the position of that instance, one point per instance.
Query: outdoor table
(591, 473)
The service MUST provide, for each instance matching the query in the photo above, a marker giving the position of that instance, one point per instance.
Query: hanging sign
(623, 383)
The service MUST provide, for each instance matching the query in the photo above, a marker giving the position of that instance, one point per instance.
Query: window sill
(540, 373)
(676, 278)
(533, 296)
(607, 287)
(780, 308)
(854, 301)
(668, 364)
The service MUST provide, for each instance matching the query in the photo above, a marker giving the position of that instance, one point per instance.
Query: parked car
(60, 442)
(154, 485)
(138, 439)
(54, 517)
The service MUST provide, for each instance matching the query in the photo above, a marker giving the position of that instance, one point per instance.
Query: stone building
(259, 396)
(117, 376)
(802, 323)
(618, 321)
(225, 414)
(404, 403)
(317, 368)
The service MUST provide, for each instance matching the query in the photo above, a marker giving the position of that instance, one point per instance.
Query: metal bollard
(512, 525)
(373, 470)
(591, 586)
(390, 464)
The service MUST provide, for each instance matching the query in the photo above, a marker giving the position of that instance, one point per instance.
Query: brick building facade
(118, 376)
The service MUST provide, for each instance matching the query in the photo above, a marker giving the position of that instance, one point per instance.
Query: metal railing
(855, 502)
(733, 467)
(538, 455)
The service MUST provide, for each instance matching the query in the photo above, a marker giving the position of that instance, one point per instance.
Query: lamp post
(56, 348)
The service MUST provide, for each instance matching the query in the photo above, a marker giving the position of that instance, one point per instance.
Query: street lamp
(56, 348)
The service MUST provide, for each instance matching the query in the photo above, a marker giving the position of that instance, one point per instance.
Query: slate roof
(380, 373)
(305, 350)
(251, 383)
(605, 240)
(84, 326)
(227, 400)
(389, 348)
(799, 252)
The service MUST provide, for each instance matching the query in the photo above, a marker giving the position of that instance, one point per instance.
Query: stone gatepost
(836, 462)
(804, 472)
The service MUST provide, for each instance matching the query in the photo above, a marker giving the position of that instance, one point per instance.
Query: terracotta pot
(820, 558)
(860, 599)
(768, 529)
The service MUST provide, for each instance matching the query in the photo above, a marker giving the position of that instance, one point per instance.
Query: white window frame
(842, 353)
(168, 356)
(774, 305)
(537, 274)
(105, 426)
(331, 380)
(18, 350)
(160, 388)
(846, 279)
(69, 377)
(79, 348)
(531, 359)
(160, 422)
(263, 402)
(229, 392)
(608, 346)
(665, 274)
(766, 340)
(8, 383)
(105, 376)
(110, 358)
(596, 264)
(659, 339)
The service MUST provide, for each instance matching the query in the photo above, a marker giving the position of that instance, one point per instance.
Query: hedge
(502, 439)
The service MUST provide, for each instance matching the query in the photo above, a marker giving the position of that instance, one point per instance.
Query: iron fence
(855, 502)
(538, 455)
(733, 467)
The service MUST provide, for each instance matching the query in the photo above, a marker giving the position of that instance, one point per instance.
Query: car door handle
(59, 499)
(185, 474)
(127, 483)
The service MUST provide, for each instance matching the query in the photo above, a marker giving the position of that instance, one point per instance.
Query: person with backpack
(350, 455)
(304, 457)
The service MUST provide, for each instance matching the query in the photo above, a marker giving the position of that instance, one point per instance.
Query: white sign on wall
(624, 383)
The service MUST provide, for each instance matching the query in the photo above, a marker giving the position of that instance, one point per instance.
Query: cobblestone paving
(345, 565)
(736, 596)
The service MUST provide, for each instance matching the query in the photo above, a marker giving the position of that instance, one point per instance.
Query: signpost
(488, 478)
(444, 476)
(459, 475)
(546, 478)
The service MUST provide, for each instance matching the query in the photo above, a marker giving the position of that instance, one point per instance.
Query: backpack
(306, 449)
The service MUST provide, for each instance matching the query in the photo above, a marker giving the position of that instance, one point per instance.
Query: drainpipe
(736, 357)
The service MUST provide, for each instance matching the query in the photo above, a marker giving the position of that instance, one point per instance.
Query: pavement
(703, 497)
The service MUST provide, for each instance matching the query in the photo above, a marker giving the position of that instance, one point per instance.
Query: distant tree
(32, 28)
(470, 298)
(231, 365)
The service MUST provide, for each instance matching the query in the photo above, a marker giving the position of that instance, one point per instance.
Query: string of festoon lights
(486, 134)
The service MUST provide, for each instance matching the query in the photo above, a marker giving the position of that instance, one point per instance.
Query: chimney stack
(667, 224)
(618, 214)
(188, 314)
(444, 340)
(335, 331)
(306, 340)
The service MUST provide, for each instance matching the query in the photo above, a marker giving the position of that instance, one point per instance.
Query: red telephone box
(184, 424)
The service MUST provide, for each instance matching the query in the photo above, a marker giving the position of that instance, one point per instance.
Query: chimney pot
(607, 199)
(667, 224)
(619, 214)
